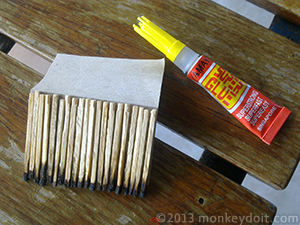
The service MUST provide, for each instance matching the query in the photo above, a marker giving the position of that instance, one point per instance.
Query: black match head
(67, 183)
(92, 187)
(142, 194)
(111, 188)
(42, 181)
(125, 191)
(118, 190)
(30, 175)
(135, 193)
(73, 183)
(86, 184)
(49, 179)
(25, 177)
(98, 186)
(80, 184)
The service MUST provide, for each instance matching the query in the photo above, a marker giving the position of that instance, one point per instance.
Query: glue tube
(255, 111)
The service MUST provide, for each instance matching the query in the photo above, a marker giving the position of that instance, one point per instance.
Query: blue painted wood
(286, 29)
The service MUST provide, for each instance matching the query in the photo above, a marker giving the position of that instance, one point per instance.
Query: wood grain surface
(259, 57)
(177, 181)
(265, 60)
(286, 9)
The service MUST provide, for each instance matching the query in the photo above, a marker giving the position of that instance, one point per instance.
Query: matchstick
(96, 145)
(77, 145)
(131, 138)
(148, 152)
(71, 138)
(108, 146)
(53, 121)
(89, 143)
(45, 139)
(28, 136)
(64, 141)
(61, 114)
(140, 161)
(83, 143)
(39, 135)
(136, 149)
(33, 135)
(125, 126)
(115, 147)
(102, 145)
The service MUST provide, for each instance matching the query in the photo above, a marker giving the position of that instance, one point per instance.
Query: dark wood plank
(5, 43)
(287, 9)
(177, 181)
(222, 166)
(265, 60)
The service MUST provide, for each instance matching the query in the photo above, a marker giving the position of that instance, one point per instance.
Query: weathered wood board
(179, 185)
(265, 60)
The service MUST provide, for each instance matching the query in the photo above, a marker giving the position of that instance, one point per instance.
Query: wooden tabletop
(181, 189)
(265, 60)
(256, 55)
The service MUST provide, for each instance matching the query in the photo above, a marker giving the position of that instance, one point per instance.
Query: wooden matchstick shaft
(102, 145)
(141, 152)
(83, 143)
(116, 146)
(45, 139)
(89, 147)
(61, 114)
(131, 138)
(148, 152)
(109, 140)
(96, 145)
(28, 136)
(53, 121)
(77, 145)
(71, 138)
(33, 135)
(136, 148)
(64, 142)
(125, 126)
(39, 136)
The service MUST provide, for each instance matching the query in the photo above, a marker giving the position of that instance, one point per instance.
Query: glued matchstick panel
(85, 142)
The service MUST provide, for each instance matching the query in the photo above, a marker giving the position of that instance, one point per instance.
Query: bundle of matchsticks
(81, 142)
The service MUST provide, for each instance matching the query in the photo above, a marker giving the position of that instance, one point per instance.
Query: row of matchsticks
(88, 143)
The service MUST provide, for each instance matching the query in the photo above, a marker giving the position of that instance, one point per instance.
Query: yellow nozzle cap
(159, 38)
